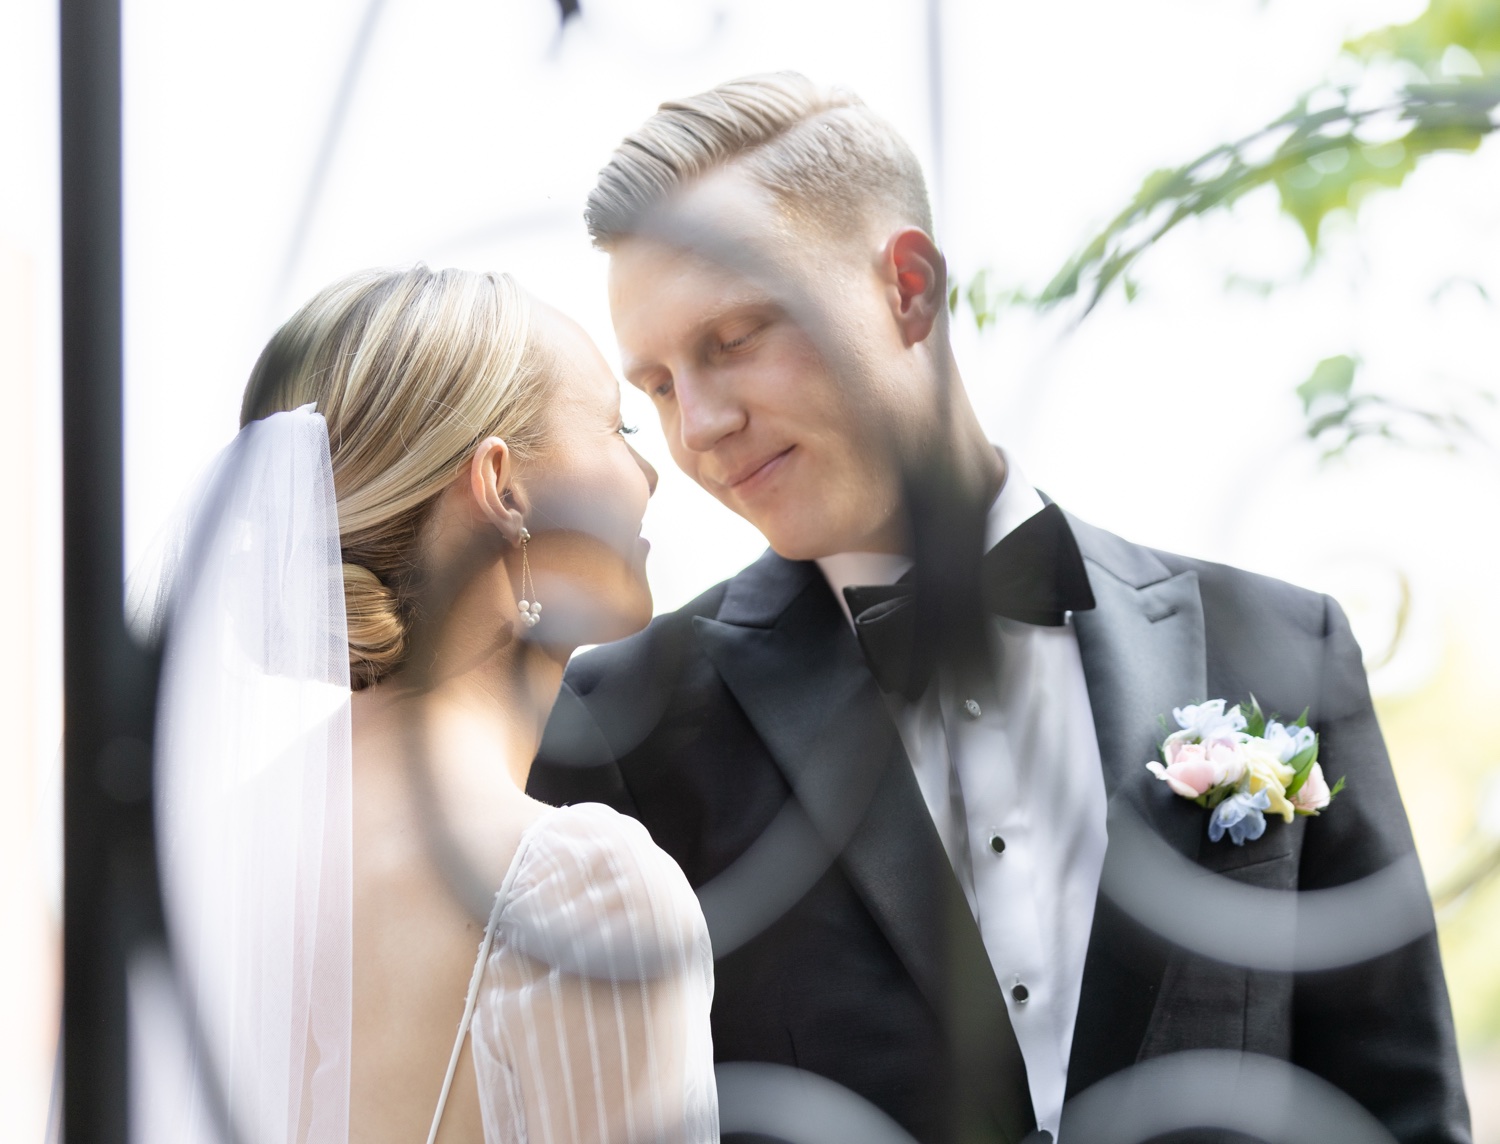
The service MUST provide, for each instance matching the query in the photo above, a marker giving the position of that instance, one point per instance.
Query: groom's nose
(708, 411)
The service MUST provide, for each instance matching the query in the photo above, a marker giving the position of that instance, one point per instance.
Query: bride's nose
(648, 468)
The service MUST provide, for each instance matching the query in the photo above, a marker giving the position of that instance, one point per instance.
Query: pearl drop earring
(531, 611)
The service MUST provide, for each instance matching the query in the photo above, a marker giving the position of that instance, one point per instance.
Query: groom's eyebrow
(636, 374)
(756, 303)
(640, 373)
(636, 371)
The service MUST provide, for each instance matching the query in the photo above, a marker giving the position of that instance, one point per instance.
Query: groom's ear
(497, 495)
(916, 275)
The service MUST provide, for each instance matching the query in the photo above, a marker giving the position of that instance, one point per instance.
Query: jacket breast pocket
(1270, 862)
(1235, 1003)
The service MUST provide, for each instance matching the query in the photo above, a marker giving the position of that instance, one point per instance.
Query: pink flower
(1189, 772)
(1229, 760)
(1174, 746)
(1193, 769)
(1314, 794)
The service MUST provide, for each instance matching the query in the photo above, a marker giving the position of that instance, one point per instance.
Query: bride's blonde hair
(411, 369)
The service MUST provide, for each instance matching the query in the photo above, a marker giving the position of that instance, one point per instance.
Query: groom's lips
(752, 476)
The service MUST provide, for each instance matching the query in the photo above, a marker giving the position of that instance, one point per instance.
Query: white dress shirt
(1012, 779)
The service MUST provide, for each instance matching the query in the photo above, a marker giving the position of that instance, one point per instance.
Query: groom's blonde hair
(826, 157)
(411, 369)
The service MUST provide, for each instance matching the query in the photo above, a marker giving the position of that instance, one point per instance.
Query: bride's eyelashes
(626, 430)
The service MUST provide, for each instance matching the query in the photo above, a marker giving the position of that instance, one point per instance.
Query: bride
(430, 505)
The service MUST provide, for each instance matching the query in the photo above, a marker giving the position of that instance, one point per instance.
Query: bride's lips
(751, 477)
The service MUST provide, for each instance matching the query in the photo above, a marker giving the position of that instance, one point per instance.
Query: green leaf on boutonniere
(1255, 719)
(1302, 719)
(1302, 762)
(1338, 786)
(1214, 795)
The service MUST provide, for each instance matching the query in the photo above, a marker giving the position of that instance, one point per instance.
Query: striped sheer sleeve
(593, 1017)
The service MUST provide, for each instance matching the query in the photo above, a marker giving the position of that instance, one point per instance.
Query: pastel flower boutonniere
(1242, 766)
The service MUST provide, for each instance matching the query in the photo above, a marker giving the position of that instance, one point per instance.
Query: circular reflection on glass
(770, 877)
(798, 1107)
(1221, 1089)
(1257, 928)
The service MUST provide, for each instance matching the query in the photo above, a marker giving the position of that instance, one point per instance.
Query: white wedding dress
(589, 1003)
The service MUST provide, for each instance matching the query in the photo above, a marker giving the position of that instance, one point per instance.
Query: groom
(911, 872)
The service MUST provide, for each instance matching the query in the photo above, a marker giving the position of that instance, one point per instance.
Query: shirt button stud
(997, 844)
(972, 709)
(1020, 993)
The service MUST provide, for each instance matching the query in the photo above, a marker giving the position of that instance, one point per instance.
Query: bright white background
(473, 135)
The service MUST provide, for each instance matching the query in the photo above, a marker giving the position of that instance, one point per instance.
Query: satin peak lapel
(1144, 653)
(784, 649)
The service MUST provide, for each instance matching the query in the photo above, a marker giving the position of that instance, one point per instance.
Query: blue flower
(1209, 722)
(1241, 815)
(1288, 741)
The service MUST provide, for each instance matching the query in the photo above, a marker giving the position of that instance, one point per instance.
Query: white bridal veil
(253, 807)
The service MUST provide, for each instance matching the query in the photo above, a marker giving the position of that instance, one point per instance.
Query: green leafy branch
(1319, 161)
(1328, 152)
(1336, 415)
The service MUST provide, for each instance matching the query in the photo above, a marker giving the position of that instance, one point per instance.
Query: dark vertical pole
(98, 663)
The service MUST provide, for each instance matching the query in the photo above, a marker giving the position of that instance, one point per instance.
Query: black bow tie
(1035, 575)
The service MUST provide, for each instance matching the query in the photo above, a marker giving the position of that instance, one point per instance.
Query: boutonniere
(1242, 765)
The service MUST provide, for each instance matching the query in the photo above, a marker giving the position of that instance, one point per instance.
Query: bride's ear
(496, 494)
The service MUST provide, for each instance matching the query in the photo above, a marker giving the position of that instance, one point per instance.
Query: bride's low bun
(410, 369)
(377, 633)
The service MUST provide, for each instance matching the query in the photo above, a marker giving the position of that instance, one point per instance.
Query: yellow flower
(1265, 771)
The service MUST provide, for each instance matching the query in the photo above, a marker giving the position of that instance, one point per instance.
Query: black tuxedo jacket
(747, 734)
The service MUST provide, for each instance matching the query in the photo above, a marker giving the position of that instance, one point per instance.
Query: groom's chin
(800, 535)
(825, 522)
(796, 535)
(796, 544)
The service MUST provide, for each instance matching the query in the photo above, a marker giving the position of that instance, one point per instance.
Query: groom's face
(768, 376)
